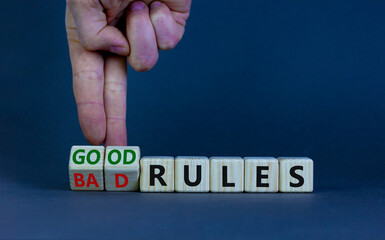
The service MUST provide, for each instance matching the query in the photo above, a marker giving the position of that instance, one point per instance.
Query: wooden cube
(157, 174)
(121, 168)
(261, 174)
(296, 174)
(192, 174)
(226, 174)
(86, 168)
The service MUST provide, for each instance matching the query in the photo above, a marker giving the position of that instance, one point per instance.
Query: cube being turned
(121, 168)
(295, 174)
(226, 174)
(157, 174)
(86, 168)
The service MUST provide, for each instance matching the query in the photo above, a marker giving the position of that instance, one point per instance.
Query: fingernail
(155, 4)
(118, 50)
(137, 6)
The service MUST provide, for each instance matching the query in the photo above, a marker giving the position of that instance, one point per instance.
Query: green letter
(125, 156)
(110, 156)
(75, 160)
(97, 156)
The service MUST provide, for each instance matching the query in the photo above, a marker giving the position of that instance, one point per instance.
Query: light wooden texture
(235, 174)
(268, 174)
(86, 168)
(121, 168)
(192, 163)
(291, 174)
(167, 164)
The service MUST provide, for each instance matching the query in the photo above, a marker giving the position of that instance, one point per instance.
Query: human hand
(100, 78)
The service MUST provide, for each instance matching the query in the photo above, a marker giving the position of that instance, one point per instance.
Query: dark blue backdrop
(250, 78)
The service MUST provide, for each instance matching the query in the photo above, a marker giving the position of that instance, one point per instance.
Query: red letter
(92, 180)
(117, 180)
(78, 177)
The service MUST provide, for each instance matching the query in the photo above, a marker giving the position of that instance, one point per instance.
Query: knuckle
(87, 43)
(89, 3)
(88, 75)
(115, 87)
(91, 41)
(159, 18)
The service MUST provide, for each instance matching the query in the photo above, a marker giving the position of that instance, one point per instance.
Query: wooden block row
(119, 171)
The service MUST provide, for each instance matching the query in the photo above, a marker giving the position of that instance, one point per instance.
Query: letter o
(89, 156)
(109, 157)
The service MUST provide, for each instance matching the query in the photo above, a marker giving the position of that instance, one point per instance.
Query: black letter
(294, 175)
(158, 176)
(260, 176)
(198, 179)
(224, 178)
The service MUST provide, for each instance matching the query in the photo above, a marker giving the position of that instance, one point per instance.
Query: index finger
(88, 78)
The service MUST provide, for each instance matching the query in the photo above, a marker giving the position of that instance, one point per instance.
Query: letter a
(92, 180)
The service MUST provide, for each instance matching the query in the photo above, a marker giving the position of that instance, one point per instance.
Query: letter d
(125, 182)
